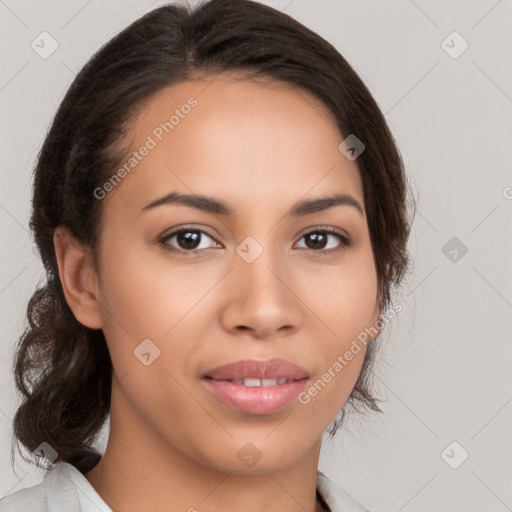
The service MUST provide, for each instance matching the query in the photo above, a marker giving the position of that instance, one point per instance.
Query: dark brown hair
(62, 368)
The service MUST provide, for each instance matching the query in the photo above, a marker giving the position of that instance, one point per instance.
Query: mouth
(252, 370)
(256, 387)
(253, 382)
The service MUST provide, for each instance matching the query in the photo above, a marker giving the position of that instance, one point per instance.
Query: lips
(256, 387)
(252, 370)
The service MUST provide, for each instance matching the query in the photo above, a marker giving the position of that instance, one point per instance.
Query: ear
(78, 278)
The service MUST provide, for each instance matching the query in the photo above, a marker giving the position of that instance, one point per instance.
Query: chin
(260, 455)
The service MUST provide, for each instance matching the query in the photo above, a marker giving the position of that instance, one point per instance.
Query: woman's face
(240, 282)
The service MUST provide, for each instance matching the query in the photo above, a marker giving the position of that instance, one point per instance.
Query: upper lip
(269, 369)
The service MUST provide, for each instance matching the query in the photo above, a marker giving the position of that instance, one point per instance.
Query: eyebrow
(218, 207)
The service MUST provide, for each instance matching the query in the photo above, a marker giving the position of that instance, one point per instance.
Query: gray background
(446, 367)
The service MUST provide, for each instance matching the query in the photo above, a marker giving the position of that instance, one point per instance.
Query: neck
(142, 471)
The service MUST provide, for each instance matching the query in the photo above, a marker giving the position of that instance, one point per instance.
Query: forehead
(253, 142)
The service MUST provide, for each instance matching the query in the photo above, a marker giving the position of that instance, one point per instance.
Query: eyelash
(345, 241)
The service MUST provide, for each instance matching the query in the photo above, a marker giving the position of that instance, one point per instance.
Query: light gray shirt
(65, 489)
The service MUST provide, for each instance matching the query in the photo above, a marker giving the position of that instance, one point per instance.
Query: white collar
(68, 483)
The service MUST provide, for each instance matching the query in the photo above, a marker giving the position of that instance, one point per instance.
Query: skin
(261, 148)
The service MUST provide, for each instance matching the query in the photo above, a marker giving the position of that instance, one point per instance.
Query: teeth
(252, 382)
(259, 382)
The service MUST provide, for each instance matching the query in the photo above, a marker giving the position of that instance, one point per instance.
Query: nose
(262, 297)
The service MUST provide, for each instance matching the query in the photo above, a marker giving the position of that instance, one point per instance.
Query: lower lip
(255, 399)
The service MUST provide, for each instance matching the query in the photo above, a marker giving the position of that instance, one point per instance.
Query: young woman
(222, 214)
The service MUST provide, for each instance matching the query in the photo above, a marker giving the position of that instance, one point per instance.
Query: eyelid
(329, 229)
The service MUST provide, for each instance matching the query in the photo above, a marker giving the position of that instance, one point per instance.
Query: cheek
(343, 296)
(143, 293)
(131, 300)
(345, 301)
(150, 298)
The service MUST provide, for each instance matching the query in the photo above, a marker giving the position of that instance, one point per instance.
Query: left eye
(320, 237)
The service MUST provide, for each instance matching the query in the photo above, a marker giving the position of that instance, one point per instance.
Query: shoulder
(63, 489)
(31, 499)
(337, 499)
